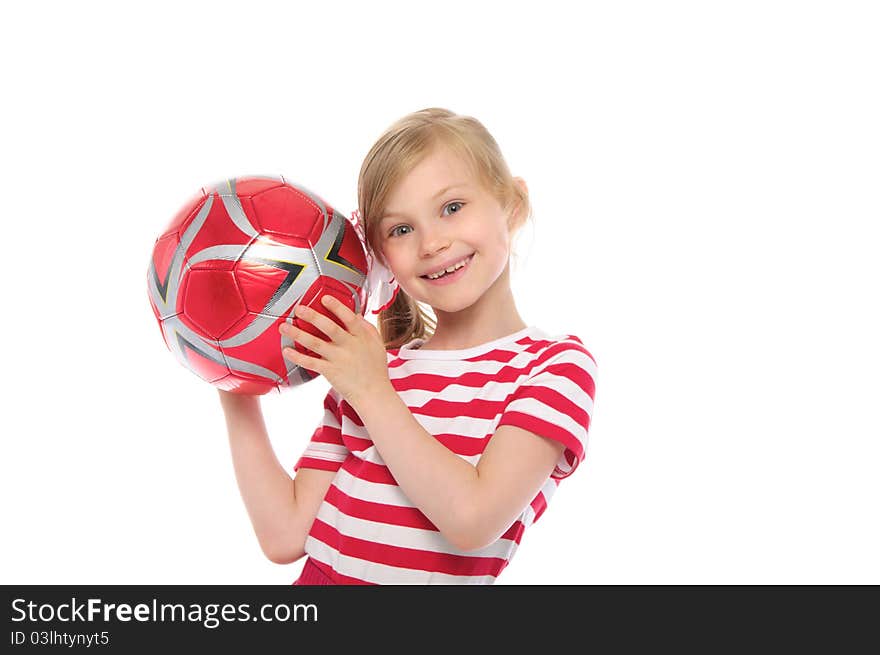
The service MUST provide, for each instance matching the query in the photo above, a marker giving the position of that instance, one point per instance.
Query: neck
(493, 316)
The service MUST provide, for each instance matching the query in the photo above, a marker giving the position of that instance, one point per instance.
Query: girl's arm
(282, 509)
(470, 505)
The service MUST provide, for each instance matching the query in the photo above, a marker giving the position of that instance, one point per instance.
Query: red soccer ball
(234, 263)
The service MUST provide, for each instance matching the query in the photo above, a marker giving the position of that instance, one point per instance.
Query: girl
(442, 441)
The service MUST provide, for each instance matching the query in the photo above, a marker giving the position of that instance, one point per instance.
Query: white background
(705, 186)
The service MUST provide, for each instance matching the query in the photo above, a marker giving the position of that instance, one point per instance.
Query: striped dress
(367, 531)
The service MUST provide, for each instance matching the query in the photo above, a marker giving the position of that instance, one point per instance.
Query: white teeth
(448, 270)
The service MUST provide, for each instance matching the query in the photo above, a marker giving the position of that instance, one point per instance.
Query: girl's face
(438, 216)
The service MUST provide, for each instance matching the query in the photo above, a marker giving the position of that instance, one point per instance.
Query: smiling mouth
(463, 263)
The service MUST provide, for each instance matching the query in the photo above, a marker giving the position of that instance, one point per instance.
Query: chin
(453, 306)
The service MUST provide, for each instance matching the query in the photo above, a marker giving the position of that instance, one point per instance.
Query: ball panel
(312, 298)
(163, 323)
(163, 254)
(220, 242)
(203, 359)
(252, 348)
(287, 211)
(350, 295)
(222, 257)
(212, 301)
(161, 280)
(261, 283)
(251, 185)
(351, 250)
(269, 268)
(235, 383)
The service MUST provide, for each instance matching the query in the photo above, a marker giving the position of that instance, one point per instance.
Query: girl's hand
(354, 361)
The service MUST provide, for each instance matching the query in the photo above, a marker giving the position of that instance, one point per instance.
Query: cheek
(396, 260)
(389, 255)
(499, 244)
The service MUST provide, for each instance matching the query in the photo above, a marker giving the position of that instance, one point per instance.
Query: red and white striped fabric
(367, 531)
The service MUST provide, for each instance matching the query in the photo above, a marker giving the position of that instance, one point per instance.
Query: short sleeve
(555, 401)
(326, 450)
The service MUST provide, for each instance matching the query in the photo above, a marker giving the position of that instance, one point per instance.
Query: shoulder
(561, 347)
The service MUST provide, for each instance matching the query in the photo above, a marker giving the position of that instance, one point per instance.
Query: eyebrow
(389, 214)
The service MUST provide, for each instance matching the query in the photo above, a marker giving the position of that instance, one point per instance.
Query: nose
(434, 240)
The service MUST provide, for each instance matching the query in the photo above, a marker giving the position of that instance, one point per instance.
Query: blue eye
(394, 231)
(455, 202)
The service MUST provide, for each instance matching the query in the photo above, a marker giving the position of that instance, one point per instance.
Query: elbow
(281, 557)
(282, 553)
(471, 534)
(469, 543)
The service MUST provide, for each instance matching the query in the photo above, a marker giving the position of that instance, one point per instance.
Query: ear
(517, 218)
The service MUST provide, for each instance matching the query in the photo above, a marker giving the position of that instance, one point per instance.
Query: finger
(310, 341)
(327, 325)
(340, 309)
(311, 363)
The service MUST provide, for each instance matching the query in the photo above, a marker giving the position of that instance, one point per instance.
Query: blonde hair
(395, 153)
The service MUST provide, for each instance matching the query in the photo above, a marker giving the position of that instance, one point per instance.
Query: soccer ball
(234, 263)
